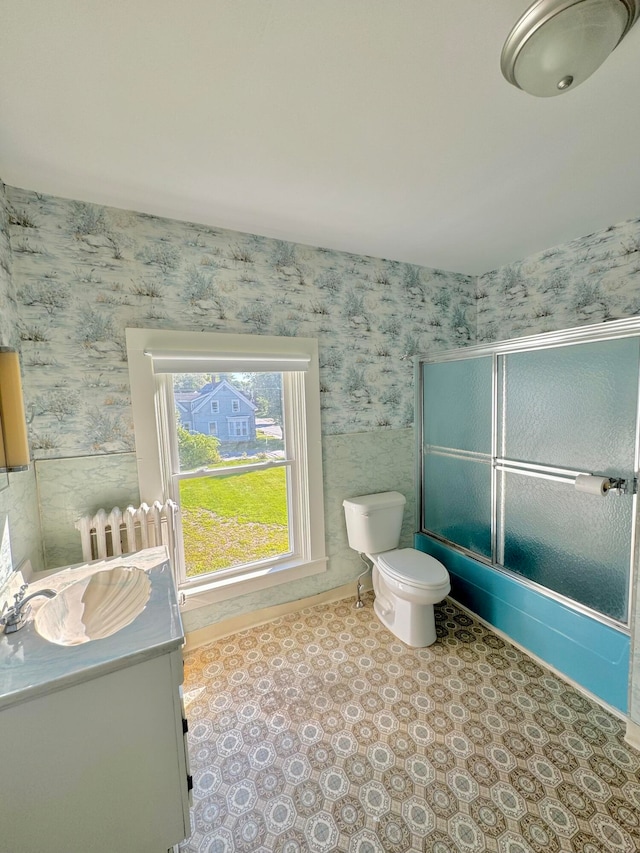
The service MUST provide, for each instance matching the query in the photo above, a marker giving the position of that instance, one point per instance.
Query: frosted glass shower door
(457, 429)
(567, 410)
(572, 406)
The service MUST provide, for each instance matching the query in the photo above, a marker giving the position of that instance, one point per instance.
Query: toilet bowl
(407, 583)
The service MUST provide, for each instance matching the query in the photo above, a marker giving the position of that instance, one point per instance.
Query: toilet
(407, 582)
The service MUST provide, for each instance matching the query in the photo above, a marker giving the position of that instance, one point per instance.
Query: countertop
(30, 666)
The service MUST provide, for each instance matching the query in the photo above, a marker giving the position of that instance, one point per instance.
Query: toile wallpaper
(8, 314)
(74, 275)
(589, 280)
(84, 273)
(18, 499)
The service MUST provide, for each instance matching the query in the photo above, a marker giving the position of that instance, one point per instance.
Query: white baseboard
(632, 736)
(219, 630)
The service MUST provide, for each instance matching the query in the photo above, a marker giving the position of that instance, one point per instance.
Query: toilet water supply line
(359, 602)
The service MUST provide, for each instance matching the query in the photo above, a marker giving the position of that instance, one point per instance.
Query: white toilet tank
(374, 521)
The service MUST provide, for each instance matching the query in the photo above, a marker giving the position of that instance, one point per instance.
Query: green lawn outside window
(233, 519)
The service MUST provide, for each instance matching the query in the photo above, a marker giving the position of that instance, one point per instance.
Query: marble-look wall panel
(20, 503)
(354, 464)
(361, 465)
(71, 488)
(83, 273)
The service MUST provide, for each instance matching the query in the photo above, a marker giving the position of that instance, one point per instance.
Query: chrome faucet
(16, 615)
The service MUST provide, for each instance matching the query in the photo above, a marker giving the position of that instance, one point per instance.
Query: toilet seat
(409, 566)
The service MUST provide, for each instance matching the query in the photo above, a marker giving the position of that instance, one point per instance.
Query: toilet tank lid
(381, 500)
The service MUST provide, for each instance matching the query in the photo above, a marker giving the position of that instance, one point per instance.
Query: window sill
(212, 590)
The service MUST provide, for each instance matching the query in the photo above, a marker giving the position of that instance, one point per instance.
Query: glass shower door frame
(551, 340)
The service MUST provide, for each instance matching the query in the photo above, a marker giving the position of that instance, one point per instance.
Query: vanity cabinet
(98, 767)
(93, 747)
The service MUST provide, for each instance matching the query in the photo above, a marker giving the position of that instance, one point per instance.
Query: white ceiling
(381, 128)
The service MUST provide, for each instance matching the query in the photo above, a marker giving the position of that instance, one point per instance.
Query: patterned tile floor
(322, 732)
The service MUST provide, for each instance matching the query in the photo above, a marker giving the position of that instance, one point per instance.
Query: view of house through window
(232, 474)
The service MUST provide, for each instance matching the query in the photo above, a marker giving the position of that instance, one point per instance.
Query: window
(239, 427)
(215, 407)
(235, 405)
(274, 482)
(213, 428)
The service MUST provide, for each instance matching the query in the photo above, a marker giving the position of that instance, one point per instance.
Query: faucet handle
(20, 594)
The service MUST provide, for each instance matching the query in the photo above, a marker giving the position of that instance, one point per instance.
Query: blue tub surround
(586, 650)
(31, 666)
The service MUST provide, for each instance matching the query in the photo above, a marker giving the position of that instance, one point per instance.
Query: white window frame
(215, 407)
(152, 414)
(213, 431)
(235, 405)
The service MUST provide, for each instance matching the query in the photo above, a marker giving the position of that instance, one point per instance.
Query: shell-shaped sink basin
(94, 607)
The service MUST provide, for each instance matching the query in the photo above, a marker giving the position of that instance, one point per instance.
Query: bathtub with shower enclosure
(529, 461)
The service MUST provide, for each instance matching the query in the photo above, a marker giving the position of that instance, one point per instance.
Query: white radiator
(109, 534)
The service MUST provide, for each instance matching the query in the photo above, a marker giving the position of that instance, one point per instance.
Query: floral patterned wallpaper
(83, 273)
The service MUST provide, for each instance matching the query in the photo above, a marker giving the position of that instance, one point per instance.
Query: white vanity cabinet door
(97, 767)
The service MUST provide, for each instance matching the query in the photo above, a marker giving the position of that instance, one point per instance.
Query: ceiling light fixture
(557, 44)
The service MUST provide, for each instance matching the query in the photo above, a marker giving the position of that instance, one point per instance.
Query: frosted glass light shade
(557, 44)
